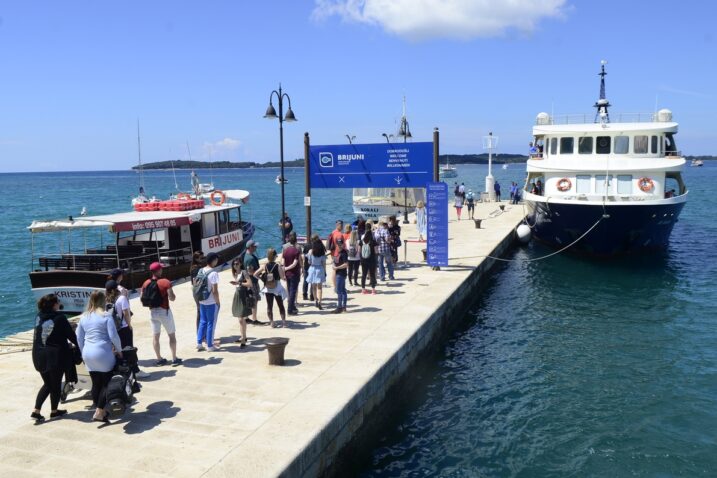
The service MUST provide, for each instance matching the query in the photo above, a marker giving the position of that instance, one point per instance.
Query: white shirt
(461, 189)
(122, 304)
(212, 279)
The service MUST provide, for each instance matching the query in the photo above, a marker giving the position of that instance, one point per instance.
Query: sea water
(575, 367)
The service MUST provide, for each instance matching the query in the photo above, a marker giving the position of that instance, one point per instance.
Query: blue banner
(437, 223)
(381, 165)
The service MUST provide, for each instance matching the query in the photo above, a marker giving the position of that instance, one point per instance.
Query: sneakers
(365, 291)
(337, 310)
(200, 348)
(373, 292)
(176, 361)
(142, 374)
(160, 362)
(214, 349)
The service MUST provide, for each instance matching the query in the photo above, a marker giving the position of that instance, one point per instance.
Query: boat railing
(107, 262)
(590, 118)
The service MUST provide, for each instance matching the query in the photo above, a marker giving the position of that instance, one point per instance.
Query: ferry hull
(628, 229)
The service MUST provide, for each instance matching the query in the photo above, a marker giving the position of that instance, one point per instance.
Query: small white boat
(280, 180)
(697, 162)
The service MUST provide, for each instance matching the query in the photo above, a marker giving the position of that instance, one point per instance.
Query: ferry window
(585, 145)
(624, 184)
(603, 145)
(582, 185)
(622, 144)
(653, 146)
(234, 219)
(641, 144)
(223, 218)
(209, 226)
(603, 184)
(567, 145)
(553, 145)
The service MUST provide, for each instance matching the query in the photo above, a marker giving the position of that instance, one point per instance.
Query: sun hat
(155, 266)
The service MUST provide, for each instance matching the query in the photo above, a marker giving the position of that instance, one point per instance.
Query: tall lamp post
(405, 131)
(489, 143)
(350, 138)
(289, 117)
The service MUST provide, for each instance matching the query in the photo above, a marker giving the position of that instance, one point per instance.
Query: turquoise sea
(575, 367)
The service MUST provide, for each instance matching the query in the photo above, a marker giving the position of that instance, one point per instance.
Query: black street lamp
(405, 131)
(350, 138)
(289, 117)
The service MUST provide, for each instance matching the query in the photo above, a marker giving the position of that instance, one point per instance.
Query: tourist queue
(105, 329)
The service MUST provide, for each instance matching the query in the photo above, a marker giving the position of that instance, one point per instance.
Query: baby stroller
(123, 384)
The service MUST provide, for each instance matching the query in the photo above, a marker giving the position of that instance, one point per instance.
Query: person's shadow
(138, 422)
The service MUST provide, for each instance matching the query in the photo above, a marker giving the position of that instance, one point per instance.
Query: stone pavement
(229, 413)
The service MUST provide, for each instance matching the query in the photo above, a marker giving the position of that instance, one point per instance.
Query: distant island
(298, 163)
(294, 163)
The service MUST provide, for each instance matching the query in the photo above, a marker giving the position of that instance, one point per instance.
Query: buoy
(523, 232)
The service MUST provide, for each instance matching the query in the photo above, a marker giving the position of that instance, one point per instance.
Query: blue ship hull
(628, 229)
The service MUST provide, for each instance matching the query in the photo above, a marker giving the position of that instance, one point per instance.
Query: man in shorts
(162, 316)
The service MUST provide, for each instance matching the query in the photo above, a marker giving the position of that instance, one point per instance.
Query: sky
(77, 76)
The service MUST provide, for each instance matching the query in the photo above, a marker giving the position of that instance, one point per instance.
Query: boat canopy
(132, 221)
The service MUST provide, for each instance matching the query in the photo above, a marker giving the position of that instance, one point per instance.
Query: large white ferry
(77, 254)
(605, 187)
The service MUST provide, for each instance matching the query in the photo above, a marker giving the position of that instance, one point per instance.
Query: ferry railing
(590, 118)
(100, 262)
(142, 262)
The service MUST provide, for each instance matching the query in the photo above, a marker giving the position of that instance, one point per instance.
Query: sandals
(104, 419)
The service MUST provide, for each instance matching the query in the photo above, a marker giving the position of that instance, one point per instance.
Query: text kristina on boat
(609, 188)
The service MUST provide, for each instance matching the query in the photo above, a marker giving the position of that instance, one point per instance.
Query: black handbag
(76, 355)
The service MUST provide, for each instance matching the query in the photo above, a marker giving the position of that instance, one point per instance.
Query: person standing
(51, 354)
(421, 219)
(251, 265)
(99, 342)
(470, 202)
(496, 188)
(156, 294)
(243, 298)
(198, 261)
(291, 258)
(462, 190)
(208, 279)
(354, 257)
(331, 244)
(272, 274)
(383, 238)
(118, 305)
(458, 204)
(287, 226)
(340, 266)
(368, 262)
(317, 270)
(305, 252)
(394, 231)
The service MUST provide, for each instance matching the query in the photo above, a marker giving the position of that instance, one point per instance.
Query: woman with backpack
(51, 353)
(272, 273)
(198, 261)
(317, 270)
(368, 261)
(98, 340)
(243, 302)
(354, 252)
(118, 306)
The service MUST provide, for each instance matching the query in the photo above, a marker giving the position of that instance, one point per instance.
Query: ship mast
(602, 104)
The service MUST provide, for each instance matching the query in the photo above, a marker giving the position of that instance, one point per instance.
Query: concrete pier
(230, 413)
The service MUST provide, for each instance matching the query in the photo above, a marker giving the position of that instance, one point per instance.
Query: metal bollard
(477, 221)
(276, 347)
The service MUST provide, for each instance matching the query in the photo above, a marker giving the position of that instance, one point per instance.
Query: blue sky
(77, 75)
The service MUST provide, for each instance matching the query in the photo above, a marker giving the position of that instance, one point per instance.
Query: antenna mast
(139, 157)
(602, 104)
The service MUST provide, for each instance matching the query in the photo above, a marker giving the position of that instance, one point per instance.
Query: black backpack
(151, 296)
(115, 316)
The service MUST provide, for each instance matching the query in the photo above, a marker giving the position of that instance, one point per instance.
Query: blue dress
(317, 269)
(96, 334)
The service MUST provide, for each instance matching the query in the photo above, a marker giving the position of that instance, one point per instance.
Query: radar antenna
(602, 104)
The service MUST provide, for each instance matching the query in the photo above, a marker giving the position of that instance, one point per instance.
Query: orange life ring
(217, 202)
(645, 184)
(564, 185)
(183, 196)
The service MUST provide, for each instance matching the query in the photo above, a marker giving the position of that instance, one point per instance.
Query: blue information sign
(381, 165)
(437, 219)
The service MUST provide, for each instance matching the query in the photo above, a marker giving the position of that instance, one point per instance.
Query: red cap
(155, 266)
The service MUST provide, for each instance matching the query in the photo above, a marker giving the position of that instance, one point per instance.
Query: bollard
(425, 252)
(477, 221)
(276, 347)
(502, 207)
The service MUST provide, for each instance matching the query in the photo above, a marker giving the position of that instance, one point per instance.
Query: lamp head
(270, 112)
(289, 116)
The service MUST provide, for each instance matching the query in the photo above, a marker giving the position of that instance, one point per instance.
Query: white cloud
(221, 148)
(426, 19)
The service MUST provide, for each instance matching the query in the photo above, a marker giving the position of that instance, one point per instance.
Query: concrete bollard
(477, 221)
(276, 347)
